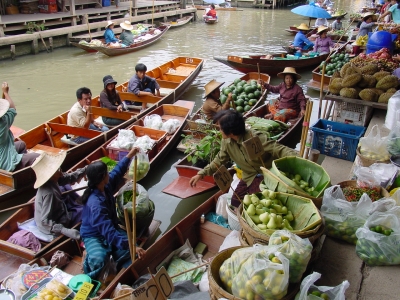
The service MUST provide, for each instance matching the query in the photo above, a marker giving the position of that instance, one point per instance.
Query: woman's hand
(141, 253)
(133, 152)
(119, 108)
(229, 99)
(194, 180)
(302, 112)
(260, 81)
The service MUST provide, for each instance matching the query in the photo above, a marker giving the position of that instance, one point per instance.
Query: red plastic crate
(48, 6)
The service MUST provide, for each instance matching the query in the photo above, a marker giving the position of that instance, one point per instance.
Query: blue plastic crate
(337, 139)
(106, 3)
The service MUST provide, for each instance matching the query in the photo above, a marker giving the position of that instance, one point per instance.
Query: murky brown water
(44, 85)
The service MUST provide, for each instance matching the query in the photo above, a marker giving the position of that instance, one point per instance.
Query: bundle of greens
(273, 129)
(109, 162)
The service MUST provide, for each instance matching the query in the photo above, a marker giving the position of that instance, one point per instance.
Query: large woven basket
(217, 292)
(366, 162)
(353, 183)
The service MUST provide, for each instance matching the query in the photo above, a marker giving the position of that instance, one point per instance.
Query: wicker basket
(366, 162)
(217, 292)
(242, 239)
(353, 183)
(232, 218)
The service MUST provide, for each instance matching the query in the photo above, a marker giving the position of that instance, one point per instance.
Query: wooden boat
(136, 46)
(190, 229)
(211, 21)
(174, 78)
(179, 22)
(270, 66)
(203, 7)
(90, 49)
(334, 16)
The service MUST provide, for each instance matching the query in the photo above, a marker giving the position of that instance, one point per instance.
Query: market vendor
(212, 104)
(323, 43)
(126, 36)
(234, 133)
(393, 11)
(337, 24)
(100, 230)
(109, 36)
(109, 98)
(211, 13)
(366, 25)
(321, 22)
(56, 213)
(300, 39)
(291, 102)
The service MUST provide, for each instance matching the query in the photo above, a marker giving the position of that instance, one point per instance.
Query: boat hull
(86, 48)
(179, 22)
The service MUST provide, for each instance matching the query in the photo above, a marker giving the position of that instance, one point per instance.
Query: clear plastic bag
(366, 178)
(153, 121)
(231, 240)
(122, 289)
(393, 142)
(108, 272)
(125, 139)
(171, 125)
(145, 143)
(221, 205)
(379, 238)
(295, 249)
(307, 287)
(143, 166)
(373, 146)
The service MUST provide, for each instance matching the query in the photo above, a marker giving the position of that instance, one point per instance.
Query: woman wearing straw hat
(109, 98)
(55, 213)
(300, 39)
(323, 43)
(291, 102)
(367, 24)
(13, 155)
(126, 36)
(394, 11)
(212, 104)
(100, 230)
(109, 33)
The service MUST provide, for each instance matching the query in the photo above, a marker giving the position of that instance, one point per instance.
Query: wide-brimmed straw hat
(4, 106)
(46, 165)
(303, 26)
(366, 15)
(107, 80)
(322, 29)
(289, 70)
(126, 25)
(212, 86)
(109, 23)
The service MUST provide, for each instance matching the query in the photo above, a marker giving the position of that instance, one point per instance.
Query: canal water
(44, 85)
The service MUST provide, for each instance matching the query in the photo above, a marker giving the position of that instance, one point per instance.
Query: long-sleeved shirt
(232, 150)
(126, 37)
(99, 216)
(211, 107)
(109, 36)
(365, 28)
(300, 40)
(289, 97)
(136, 85)
(110, 102)
(321, 22)
(337, 25)
(323, 45)
(50, 209)
(9, 157)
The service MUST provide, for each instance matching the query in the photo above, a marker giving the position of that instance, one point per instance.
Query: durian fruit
(351, 70)
(335, 75)
(349, 93)
(351, 80)
(387, 82)
(335, 86)
(379, 75)
(391, 90)
(384, 98)
(369, 69)
(378, 91)
(367, 81)
(344, 69)
(368, 95)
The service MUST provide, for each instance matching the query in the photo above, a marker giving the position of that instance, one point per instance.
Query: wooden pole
(158, 287)
(129, 233)
(134, 210)
(321, 92)
(88, 26)
(183, 272)
(152, 15)
(130, 12)
(305, 127)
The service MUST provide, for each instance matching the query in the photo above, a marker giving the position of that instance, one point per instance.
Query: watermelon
(239, 109)
(237, 80)
(247, 108)
(252, 102)
(251, 96)
(248, 89)
(227, 91)
(234, 97)
(240, 102)
(257, 94)
(253, 82)
(239, 89)
(223, 98)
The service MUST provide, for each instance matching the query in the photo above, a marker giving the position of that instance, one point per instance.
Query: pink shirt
(289, 98)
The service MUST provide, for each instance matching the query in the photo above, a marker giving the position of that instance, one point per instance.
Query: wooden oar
(128, 231)
(29, 203)
(134, 210)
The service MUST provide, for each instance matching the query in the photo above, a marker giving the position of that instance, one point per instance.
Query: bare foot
(268, 116)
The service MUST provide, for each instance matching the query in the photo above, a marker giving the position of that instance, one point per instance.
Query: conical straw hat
(322, 29)
(46, 165)
(211, 86)
(288, 70)
(303, 26)
(4, 106)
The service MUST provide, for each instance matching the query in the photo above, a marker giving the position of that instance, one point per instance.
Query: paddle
(29, 203)
(134, 209)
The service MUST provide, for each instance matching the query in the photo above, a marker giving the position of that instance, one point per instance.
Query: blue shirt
(395, 13)
(99, 215)
(300, 40)
(9, 158)
(136, 85)
(109, 36)
(365, 28)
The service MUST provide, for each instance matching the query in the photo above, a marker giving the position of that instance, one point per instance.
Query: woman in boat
(291, 102)
(126, 36)
(100, 230)
(394, 12)
(212, 104)
(337, 24)
(300, 40)
(109, 33)
(211, 14)
(366, 25)
(321, 22)
(234, 132)
(323, 43)
(109, 98)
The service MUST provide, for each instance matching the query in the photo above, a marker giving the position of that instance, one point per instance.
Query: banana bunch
(361, 40)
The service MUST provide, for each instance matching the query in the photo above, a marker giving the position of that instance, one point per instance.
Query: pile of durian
(366, 83)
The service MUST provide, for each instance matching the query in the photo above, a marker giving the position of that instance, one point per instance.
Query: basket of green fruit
(261, 214)
(302, 175)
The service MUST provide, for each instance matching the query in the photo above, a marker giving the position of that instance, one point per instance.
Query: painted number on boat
(223, 178)
(254, 147)
(159, 288)
(189, 60)
(84, 291)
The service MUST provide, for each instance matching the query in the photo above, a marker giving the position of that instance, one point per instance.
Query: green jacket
(232, 150)
(126, 38)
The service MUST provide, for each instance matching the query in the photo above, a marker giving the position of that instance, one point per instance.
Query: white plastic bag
(144, 142)
(307, 286)
(171, 126)
(221, 205)
(366, 178)
(153, 121)
(385, 172)
(393, 110)
(204, 284)
(125, 139)
(231, 240)
(143, 166)
(373, 146)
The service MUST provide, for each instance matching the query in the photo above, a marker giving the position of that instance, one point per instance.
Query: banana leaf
(309, 171)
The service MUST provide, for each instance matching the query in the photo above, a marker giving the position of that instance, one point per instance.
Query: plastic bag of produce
(393, 142)
(143, 166)
(145, 143)
(295, 249)
(309, 291)
(343, 218)
(379, 238)
(153, 121)
(366, 178)
(373, 146)
(171, 126)
(125, 139)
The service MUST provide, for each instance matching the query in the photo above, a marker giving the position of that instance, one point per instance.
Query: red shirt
(289, 98)
(212, 13)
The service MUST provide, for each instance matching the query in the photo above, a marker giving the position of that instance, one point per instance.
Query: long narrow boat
(190, 229)
(90, 49)
(270, 66)
(178, 22)
(174, 78)
(211, 21)
(135, 46)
